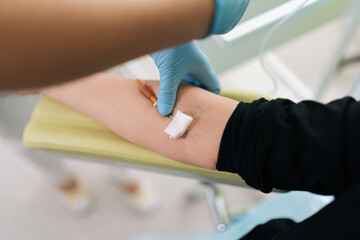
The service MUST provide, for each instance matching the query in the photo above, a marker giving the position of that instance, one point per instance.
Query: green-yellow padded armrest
(54, 126)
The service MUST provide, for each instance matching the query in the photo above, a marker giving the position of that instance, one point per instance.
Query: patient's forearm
(117, 104)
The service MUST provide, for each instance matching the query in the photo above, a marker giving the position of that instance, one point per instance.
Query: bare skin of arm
(117, 104)
(44, 42)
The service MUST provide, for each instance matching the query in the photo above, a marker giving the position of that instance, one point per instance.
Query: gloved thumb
(167, 94)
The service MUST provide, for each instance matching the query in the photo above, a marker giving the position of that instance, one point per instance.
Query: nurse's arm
(117, 104)
(43, 42)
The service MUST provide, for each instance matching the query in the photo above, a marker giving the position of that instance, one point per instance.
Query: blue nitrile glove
(184, 63)
(227, 14)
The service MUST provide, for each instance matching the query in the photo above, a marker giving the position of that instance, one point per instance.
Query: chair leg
(353, 20)
(217, 205)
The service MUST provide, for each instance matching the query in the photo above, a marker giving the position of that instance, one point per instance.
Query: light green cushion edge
(54, 126)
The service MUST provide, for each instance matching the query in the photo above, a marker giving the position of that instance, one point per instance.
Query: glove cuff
(216, 20)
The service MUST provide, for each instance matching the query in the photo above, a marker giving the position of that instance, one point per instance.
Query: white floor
(30, 210)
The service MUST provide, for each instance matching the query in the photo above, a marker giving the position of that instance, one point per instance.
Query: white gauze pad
(178, 125)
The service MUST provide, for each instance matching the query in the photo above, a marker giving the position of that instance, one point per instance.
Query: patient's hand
(117, 104)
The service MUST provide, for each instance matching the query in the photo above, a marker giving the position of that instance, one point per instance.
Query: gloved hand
(184, 63)
(227, 14)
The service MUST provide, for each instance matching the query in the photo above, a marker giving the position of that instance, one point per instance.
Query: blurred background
(31, 209)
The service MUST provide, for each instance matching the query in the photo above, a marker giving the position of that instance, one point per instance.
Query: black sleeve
(306, 146)
(269, 230)
(338, 220)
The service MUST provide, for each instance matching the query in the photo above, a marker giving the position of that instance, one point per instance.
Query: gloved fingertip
(164, 109)
(216, 91)
(215, 87)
